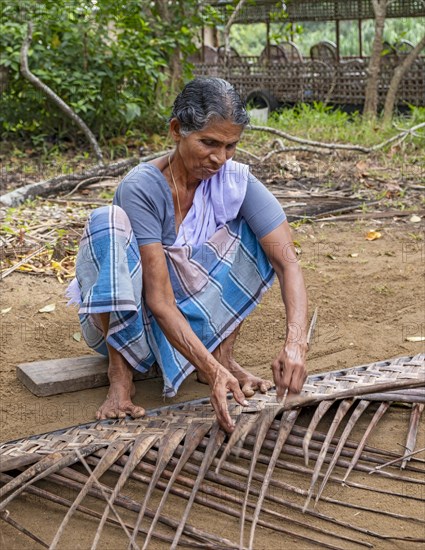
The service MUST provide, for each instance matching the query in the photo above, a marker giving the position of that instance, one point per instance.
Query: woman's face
(204, 152)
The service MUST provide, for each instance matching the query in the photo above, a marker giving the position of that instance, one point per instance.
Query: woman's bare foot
(118, 402)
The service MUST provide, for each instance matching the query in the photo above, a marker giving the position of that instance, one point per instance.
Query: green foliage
(324, 123)
(109, 61)
(251, 39)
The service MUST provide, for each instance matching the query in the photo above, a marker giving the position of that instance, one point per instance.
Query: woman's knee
(112, 215)
(108, 212)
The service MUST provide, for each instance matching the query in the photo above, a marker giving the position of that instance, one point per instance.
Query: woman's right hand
(160, 299)
(221, 382)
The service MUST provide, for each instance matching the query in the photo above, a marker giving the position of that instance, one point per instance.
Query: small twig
(11, 269)
(240, 150)
(396, 460)
(86, 182)
(86, 202)
(294, 149)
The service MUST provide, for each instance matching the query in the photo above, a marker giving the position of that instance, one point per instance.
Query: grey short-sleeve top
(144, 194)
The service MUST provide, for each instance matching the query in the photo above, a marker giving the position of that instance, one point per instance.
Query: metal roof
(317, 10)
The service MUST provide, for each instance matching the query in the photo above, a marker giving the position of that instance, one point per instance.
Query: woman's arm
(159, 297)
(289, 370)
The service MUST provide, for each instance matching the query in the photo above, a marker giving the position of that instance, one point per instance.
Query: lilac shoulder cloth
(217, 268)
(216, 202)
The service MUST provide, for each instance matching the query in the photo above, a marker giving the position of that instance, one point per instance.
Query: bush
(107, 60)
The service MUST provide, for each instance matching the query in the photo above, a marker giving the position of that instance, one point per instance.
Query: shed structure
(281, 75)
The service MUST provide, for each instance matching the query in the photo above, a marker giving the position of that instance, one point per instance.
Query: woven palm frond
(131, 474)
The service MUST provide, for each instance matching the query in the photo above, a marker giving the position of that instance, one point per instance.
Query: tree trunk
(371, 95)
(175, 66)
(229, 23)
(399, 72)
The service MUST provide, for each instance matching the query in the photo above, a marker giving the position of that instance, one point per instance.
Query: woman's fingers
(278, 376)
(224, 383)
(288, 375)
(238, 394)
(222, 413)
(299, 376)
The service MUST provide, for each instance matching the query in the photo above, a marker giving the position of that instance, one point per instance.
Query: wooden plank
(55, 376)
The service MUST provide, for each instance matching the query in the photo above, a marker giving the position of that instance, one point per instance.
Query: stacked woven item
(291, 472)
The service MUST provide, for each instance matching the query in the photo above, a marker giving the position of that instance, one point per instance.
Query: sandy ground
(371, 296)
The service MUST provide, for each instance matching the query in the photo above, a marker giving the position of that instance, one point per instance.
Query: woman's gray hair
(205, 99)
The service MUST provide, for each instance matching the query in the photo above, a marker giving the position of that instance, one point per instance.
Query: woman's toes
(265, 386)
(247, 390)
(137, 412)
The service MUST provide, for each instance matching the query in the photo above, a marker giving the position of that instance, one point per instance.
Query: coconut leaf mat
(321, 469)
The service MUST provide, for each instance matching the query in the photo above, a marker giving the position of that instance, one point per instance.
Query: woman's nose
(219, 157)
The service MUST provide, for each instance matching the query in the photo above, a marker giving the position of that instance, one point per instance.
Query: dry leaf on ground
(47, 309)
(373, 235)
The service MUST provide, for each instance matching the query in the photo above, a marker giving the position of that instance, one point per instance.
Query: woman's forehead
(221, 130)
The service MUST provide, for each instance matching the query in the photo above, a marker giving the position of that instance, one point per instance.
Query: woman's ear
(175, 130)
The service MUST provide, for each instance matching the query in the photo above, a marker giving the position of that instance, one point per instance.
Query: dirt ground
(368, 305)
(370, 295)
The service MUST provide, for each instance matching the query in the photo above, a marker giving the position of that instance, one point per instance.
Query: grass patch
(321, 122)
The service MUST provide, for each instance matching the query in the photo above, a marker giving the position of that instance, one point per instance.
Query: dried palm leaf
(167, 448)
(141, 445)
(361, 407)
(383, 407)
(157, 449)
(319, 413)
(195, 434)
(415, 417)
(340, 413)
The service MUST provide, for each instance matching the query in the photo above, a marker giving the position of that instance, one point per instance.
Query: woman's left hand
(289, 369)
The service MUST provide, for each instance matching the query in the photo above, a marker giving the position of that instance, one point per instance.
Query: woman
(192, 241)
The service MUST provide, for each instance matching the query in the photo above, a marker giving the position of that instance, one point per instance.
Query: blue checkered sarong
(216, 285)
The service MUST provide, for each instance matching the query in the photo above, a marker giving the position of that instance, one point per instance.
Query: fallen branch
(334, 146)
(68, 181)
(35, 81)
(284, 149)
(370, 215)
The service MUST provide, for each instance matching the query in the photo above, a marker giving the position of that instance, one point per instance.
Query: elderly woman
(168, 273)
